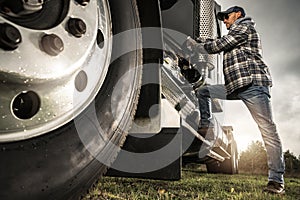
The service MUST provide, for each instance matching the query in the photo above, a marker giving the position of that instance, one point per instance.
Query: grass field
(195, 184)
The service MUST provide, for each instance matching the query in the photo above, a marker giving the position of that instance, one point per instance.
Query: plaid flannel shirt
(242, 59)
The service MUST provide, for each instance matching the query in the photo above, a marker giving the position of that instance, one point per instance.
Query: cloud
(286, 107)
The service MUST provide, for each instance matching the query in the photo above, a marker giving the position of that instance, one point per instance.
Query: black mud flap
(152, 156)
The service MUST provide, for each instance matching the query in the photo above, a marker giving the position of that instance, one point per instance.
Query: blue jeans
(257, 100)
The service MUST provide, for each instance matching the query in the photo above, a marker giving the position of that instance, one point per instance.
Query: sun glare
(243, 141)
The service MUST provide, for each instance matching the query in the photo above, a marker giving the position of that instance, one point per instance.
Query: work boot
(275, 188)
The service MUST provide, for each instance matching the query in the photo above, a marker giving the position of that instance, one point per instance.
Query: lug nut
(52, 44)
(83, 2)
(10, 37)
(76, 27)
(33, 5)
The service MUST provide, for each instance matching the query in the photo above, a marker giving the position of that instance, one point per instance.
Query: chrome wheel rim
(45, 83)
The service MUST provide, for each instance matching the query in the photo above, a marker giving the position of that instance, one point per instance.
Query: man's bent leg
(204, 95)
(257, 99)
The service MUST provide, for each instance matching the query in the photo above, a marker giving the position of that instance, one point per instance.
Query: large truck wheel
(62, 158)
(229, 166)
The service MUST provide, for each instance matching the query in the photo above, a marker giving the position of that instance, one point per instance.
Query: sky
(277, 22)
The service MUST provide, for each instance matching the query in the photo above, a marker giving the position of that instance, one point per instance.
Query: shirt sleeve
(236, 36)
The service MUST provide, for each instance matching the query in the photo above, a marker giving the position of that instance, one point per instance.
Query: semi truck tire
(64, 163)
(229, 166)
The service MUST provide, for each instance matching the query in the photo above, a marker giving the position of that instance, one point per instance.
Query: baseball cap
(222, 14)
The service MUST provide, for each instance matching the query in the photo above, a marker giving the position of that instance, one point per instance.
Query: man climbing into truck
(247, 78)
